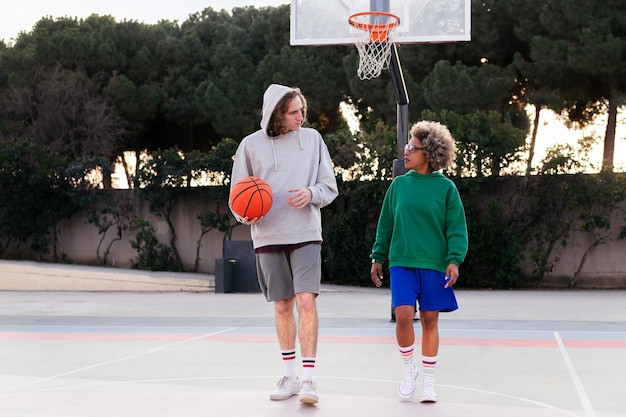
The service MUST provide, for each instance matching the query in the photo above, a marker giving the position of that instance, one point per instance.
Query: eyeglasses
(412, 148)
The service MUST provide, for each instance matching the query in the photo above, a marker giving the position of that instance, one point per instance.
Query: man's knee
(305, 302)
(284, 307)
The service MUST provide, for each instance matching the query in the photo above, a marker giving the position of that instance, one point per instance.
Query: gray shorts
(284, 274)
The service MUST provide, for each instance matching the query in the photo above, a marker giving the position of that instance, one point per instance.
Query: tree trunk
(173, 240)
(107, 181)
(196, 265)
(574, 279)
(609, 137)
(533, 140)
(127, 171)
(597, 242)
(137, 163)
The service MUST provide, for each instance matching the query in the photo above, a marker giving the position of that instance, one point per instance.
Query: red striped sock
(406, 353)
(308, 368)
(289, 362)
(428, 365)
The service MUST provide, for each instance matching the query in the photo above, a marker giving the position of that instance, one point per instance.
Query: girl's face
(415, 158)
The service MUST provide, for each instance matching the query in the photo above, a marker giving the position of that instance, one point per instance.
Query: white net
(373, 37)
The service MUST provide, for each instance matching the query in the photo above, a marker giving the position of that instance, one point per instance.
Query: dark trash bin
(236, 271)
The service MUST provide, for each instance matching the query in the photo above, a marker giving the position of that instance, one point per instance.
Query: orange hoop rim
(374, 27)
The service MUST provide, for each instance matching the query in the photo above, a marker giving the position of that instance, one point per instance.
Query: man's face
(294, 117)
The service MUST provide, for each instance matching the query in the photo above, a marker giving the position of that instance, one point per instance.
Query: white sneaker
(285, 388)
(428, 390)
(308, 393)
(407, 384)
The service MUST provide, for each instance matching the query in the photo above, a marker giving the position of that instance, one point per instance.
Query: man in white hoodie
(296, 164)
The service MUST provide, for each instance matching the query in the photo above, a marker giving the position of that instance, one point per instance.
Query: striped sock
(289, 361)
(407, 354)
(308, 367)
(428, 365)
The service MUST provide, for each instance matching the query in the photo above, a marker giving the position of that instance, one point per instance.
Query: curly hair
(276, 125)
(439, 145)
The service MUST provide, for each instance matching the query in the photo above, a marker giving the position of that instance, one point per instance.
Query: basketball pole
(402, 96)
(402, 100)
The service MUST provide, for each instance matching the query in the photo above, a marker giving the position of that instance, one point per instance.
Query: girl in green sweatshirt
(422, 233)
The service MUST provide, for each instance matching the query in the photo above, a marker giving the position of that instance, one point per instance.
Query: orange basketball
(251, 197)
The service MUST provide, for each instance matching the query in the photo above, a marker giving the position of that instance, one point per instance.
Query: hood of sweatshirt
(271, 97)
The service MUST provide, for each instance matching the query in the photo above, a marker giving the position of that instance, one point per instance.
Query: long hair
(276, 125)
(439, 145)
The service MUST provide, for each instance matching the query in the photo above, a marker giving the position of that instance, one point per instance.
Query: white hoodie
(296, 159)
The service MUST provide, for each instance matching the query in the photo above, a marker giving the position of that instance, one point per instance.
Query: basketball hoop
(372, 34)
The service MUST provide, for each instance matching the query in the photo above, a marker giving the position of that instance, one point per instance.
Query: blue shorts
(424, 286)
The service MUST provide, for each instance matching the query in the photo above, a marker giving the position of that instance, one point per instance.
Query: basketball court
(104, 354)
(186, 354)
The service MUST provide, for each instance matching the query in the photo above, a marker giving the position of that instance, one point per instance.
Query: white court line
(205, 378)
(34, 415)
(582, 394)
(147, 352)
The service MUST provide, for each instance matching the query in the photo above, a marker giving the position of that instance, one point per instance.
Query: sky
(21, 15)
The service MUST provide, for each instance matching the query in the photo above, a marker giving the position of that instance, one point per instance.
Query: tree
(531, 91)
(164, 176)
(476, 104)
(223, 222)
(38, 189)
(180, 108)
(600, 213)
(151, 254)
(61, 112)
(562, 200)
(580, 53)
(110, 213)
(139, 106)
(161, 178)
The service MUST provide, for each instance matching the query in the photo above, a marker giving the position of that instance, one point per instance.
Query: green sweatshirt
(421, 224)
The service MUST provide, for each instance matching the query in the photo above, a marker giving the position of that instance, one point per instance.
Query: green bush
(349, 231)
(37, 190)
(495, 248)
(152, 255)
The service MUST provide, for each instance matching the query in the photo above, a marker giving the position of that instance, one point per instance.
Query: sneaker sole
(428, 399)
(308, 399)
(406, 397)
(276, 397)
(281, 398)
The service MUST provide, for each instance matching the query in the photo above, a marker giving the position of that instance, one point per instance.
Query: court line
(35, 415)
(147, 352)
(582, 394)
(74, 386)
(323, 338)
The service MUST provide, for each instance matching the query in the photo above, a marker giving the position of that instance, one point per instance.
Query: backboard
(325, 22)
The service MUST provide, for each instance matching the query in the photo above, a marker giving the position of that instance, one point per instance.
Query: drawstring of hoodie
(274, 149)
(274, 153)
